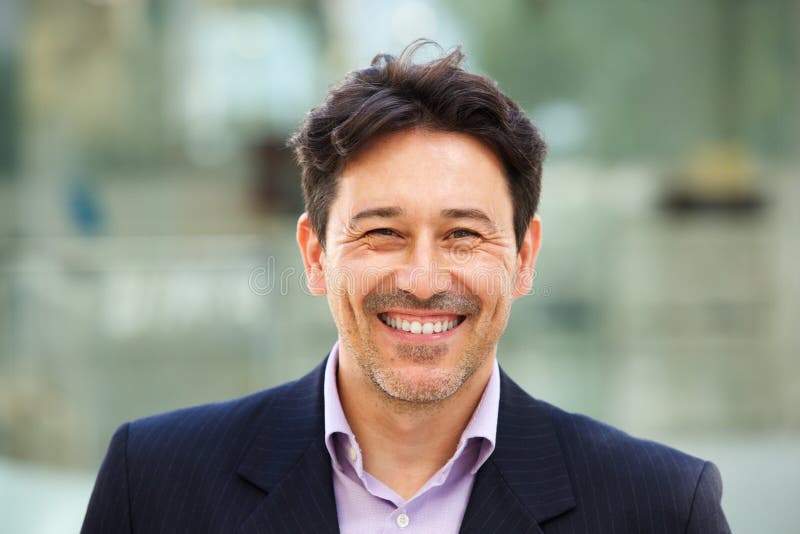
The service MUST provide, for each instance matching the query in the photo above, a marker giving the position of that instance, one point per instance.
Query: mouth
(422, 325)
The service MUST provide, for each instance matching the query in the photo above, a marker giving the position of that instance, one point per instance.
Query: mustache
(459, 303)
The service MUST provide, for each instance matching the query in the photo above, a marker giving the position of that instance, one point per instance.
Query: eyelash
(471, 233)
(388, 232)
(383, 232)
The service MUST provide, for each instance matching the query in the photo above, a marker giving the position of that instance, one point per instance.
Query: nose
(424, 271)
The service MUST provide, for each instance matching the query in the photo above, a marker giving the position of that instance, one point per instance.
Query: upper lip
(422, 313)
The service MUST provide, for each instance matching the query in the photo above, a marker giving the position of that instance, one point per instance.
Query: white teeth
(416, 327)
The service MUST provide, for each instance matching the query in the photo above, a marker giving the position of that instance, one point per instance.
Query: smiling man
(422, 229)
(421, 184)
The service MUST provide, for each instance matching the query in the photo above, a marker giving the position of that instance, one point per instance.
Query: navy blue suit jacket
(259, 465)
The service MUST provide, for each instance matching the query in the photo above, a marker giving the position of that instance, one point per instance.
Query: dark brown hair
(396, 94)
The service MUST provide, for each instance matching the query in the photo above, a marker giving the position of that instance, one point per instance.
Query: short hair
(396, 94)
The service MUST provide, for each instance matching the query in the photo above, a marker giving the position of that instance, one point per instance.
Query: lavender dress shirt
(365, 505)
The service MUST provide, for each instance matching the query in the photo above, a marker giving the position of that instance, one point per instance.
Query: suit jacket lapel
(288, 460)
(525, 481)
(494, 508)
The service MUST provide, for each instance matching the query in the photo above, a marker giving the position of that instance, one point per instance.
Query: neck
(404, 443)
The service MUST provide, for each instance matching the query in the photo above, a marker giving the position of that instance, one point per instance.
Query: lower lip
(421, 338)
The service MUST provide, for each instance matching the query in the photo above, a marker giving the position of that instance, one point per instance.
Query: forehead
(424, 171)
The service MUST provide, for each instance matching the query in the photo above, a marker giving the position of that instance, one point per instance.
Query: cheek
(348, 319)
(488, 277)
(357, 273)
(348, 285)
(340, 281)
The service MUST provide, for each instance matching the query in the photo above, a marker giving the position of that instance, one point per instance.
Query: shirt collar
(482, 425)
(335, 420)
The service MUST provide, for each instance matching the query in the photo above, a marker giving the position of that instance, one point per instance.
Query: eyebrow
(450, 213)
(376, 212)
(469, 213)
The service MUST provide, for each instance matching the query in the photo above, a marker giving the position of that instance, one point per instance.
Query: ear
(313, 256)
(526, 257)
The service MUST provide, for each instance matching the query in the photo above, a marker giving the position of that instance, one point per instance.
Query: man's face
(420, 265)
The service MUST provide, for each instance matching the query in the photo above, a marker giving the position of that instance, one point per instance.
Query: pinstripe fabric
(572, 474)
(259, 464)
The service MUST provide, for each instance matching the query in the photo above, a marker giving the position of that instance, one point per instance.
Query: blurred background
(148, 202)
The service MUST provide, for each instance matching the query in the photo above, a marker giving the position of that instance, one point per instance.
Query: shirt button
(402, 520)
(353, 454)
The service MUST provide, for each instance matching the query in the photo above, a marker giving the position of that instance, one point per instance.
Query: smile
(421, 324)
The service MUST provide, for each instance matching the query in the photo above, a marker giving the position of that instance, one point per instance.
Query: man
(421, 184)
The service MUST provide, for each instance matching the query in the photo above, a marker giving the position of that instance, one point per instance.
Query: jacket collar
(523, 484)
(288, 460)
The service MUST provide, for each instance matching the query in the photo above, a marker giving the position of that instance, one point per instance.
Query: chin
(419, 384)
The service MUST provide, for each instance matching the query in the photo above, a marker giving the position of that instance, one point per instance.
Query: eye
(381, 232)
(463, 233)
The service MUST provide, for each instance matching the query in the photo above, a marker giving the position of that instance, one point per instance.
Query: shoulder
(181, 467)
(646, 482)
(616, 480)
(221, 431)
(201, 425)
(588, 442)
